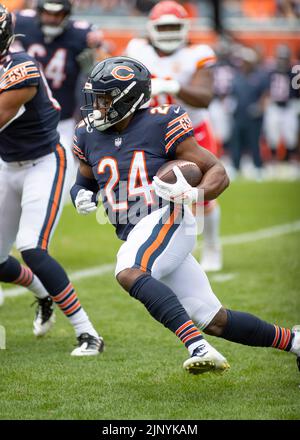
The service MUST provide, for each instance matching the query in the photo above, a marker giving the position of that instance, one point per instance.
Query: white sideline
(247, 237)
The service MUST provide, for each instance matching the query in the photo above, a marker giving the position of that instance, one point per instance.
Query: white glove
(179, 192)
(83, 202)
(168, 86)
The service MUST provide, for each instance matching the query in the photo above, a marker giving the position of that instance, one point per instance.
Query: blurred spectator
(249, 89)
(281, 118)
(288, 8)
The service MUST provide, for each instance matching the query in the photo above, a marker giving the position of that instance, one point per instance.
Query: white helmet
(163, 14)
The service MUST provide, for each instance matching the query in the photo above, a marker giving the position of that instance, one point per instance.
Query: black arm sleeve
(84, 183)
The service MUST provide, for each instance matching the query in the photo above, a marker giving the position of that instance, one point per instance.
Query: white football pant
(31, 194)
(164, 249)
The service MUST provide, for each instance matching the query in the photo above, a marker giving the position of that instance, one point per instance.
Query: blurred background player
(32, 181)
(181, 74)
(249, 93)
(281, 123)
(65, 48)
(221, 107)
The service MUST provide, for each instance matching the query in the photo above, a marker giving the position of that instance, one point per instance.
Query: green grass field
(140, 375)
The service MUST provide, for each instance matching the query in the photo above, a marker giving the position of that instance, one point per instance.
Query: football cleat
(88, 345)
(206, 358)
(44, 316)
(296, 343)
(211, 259)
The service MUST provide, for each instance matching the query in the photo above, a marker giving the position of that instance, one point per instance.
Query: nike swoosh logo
(7, 67)
(176, 110)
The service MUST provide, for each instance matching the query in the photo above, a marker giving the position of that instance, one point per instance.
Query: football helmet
(168, 26)
(6, 30)
(115, 88)
(60, 11)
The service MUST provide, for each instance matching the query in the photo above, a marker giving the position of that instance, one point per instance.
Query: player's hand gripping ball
(176, 181)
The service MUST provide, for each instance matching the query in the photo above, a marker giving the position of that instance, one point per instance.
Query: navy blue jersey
(223, 76)
(281, 89)
(32, 132)
(58, 57)
(124, 164)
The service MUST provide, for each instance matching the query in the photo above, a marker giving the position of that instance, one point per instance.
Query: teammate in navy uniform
(64, 47)
(281, 117)
(32, 181)
(121, 148)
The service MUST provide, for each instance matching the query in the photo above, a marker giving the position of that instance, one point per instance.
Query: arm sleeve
(84, 183)
(19, 75)
(178, 128)
(78, 143)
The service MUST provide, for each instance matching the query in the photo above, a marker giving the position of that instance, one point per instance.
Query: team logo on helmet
(126, 77)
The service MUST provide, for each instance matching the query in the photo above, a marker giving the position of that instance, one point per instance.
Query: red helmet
(168, 26)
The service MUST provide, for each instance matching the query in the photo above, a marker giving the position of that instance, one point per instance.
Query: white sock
(212, 220)
(82, 324)
(38, 288)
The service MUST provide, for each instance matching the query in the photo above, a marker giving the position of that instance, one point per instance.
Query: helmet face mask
(116, 88)
(54, 16)
(168, 26)
(6, 30)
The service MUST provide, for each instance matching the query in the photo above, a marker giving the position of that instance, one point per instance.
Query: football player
(281, 118)
(182, 74)
(64, 47)
(32, 181)
(121, 144)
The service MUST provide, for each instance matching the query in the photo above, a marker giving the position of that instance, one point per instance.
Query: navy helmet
(115, 89)
(54, 7)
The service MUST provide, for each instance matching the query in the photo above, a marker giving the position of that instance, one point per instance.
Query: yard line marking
(221, 277)
(260, 234)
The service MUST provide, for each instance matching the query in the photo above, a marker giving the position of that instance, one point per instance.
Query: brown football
(190, 171)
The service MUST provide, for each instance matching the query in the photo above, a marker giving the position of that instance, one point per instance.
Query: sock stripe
(183, 326)
(74, 309)
(25, 278)
(188, 333)
(286, 340)
(282, 337)
(68, 301)
(20, 277)
(61, 295)
(191, 336)
(68, 295)
(274, 343)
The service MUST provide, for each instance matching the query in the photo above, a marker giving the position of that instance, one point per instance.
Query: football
(190, 171)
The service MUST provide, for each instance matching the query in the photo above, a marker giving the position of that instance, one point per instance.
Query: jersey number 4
(55, 68)
(137, 184)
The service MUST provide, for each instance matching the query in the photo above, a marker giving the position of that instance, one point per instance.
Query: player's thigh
(290, 126)
(10, 209)
(191, 286)
(159, 242)
(42, 201)
(272, 124)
